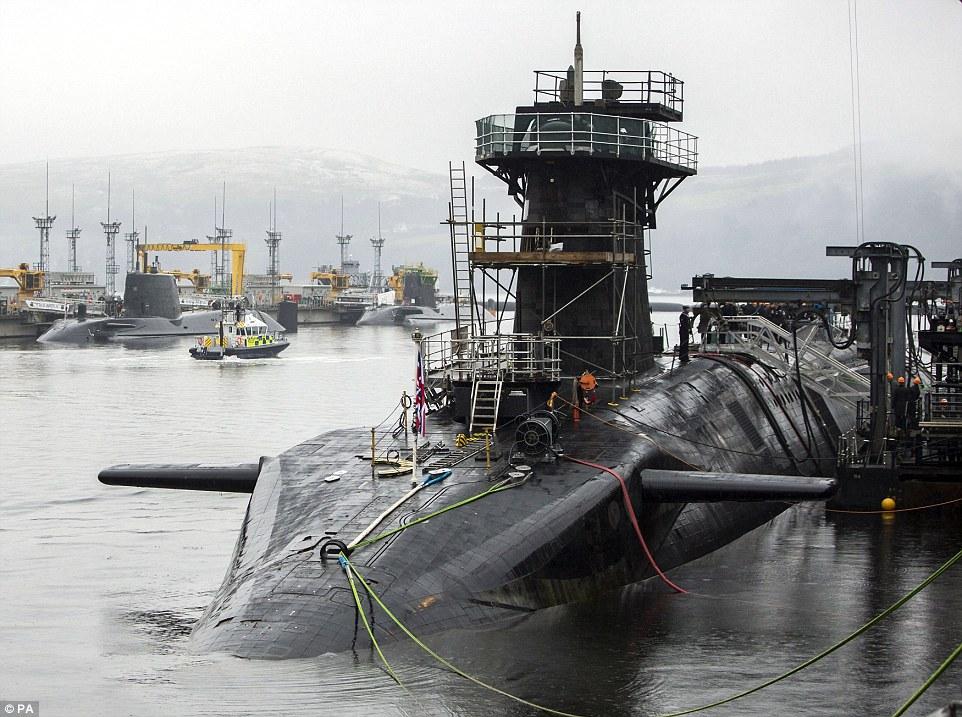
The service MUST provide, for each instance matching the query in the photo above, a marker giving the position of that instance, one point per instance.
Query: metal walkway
(775, 346)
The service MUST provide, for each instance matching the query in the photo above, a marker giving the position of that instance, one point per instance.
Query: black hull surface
(561, 536)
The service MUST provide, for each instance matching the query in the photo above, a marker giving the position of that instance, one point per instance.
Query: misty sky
(404, 81)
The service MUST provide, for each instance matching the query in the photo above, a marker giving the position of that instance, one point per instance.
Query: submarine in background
(151, 310)
(550, 463)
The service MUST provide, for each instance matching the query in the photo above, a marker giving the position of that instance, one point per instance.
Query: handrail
(584, 133)
(516, 356)
(758, 336)
(633, 87)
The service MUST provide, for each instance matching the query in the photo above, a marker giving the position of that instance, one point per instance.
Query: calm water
(99, 586)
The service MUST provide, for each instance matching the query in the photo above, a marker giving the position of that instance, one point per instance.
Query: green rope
(444, 662)
(387, 534)
(370, 632)
(929, 682)
(841, 643)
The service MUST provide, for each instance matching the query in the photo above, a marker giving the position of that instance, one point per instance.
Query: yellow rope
(894, 510)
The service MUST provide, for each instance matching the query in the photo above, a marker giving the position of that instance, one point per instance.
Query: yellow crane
(335, 279)
(200, 281)
(30, 281)
(237, 252)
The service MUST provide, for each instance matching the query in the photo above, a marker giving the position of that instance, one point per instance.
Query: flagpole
(417, 337)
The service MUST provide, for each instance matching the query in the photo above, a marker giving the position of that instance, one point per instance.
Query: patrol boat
(532, 485)
(240, 333)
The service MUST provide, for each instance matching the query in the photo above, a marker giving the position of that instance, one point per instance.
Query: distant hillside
(766, 219)
(175, 197)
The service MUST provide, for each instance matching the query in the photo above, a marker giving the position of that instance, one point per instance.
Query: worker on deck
(684, 334)
(901, 403)
(915, 397)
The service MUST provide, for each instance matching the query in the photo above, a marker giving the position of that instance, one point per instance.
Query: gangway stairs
(461, 247)
(485, 399)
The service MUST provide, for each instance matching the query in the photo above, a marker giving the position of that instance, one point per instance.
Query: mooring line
(894, 510)
(345, 566)
(828, 651)
(352, 571)
(929, 682)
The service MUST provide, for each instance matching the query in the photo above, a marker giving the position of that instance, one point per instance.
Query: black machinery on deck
(902, 440)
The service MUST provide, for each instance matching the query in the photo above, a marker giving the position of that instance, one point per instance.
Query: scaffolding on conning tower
(489, 251)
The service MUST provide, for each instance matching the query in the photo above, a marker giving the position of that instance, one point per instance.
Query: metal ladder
(460, 246)
(485, 399)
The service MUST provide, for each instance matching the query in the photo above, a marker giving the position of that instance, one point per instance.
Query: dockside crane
(237, 254)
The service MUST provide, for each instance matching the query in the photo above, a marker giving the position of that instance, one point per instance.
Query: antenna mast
(72, 234)
(110, 231)
(273, 253)
(44, 224)
(343, 239)
(132, 238)
(377, 279)
(219, 272)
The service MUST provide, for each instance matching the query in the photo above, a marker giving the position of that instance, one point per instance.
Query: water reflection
(99, 586)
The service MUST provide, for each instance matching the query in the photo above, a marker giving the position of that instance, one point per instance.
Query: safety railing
(585, 133)
(624, 86)
(943, 400)
(518, 357)
(759, 337)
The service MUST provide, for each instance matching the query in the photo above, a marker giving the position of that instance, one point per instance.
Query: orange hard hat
(587, 381)
(901, 379)
(889, 376)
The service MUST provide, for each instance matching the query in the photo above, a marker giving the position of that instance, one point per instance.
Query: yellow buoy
(888, 504)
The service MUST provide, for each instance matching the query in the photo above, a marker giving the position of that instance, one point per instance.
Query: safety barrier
(769, 342)
(516, 356)
(585, 133)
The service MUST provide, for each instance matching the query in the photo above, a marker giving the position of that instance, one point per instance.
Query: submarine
(555, 461)
(151, 310)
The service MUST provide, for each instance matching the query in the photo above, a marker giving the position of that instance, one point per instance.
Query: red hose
(634, 521)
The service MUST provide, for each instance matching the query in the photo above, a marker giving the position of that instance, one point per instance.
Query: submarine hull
(563, 535)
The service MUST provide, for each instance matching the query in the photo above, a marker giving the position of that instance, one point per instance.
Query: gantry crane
(237, 253)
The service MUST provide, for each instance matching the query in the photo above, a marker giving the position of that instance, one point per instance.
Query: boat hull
(244, 352)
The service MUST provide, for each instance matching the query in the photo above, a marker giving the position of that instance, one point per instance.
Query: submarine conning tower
(589, 162)
(151, 295)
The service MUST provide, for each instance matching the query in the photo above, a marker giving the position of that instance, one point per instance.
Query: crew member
(587, 384)
(915, 396)
(900, 403)
(684, 334)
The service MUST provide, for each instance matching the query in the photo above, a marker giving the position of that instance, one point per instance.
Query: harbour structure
(551, 462)
(44, 224)
(73, 234)
(377, 278)
(132, 238)
(904, 446)
(111, 229)
(220, 267)
(343, 241)
(273, 253)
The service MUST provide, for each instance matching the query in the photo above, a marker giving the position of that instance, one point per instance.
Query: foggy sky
(403, 83)
(765, 79)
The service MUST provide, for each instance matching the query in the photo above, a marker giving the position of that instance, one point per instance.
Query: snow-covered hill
(765, 219)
